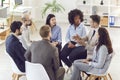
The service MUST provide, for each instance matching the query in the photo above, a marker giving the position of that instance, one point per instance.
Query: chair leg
(87, 78)
(13, 76)
(99, 78)
(17, 77)
(82, 73)
(105, 77)
(95, 77)
(91, 76)
(110, 76)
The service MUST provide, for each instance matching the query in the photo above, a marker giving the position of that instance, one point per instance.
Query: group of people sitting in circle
(84, 52)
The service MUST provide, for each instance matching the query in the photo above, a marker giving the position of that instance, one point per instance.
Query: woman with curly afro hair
(72, 49)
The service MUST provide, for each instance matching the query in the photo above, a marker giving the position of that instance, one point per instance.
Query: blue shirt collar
(73, 27)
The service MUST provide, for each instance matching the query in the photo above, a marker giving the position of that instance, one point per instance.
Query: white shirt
(91, 43)
(25, 37)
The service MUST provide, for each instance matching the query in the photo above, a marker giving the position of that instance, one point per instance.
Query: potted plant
(2, 2)
(53, 6)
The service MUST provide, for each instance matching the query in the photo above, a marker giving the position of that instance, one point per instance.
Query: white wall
(37, 6)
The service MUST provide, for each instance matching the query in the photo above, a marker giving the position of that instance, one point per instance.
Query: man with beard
(14, 47)
(25, 37)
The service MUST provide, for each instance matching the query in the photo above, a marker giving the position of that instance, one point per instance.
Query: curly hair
(73, 13)
(104, 39)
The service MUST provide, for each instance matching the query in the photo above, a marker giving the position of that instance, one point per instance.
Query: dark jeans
(73, 54)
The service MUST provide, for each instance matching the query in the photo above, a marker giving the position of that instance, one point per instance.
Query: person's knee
(60, 72)
(77, 63)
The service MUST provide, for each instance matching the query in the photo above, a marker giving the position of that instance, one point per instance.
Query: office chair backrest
(35, 71)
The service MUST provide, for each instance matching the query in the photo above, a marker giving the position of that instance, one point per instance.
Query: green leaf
(53, 7)
(61, 7)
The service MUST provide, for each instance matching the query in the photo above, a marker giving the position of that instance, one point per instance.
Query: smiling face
(52, 21)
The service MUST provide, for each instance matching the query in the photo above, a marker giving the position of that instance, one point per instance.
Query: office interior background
(109, 10)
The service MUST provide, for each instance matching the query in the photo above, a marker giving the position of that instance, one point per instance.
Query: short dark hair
(44, 31)
(95, 18)
(15, 25)
(73, 13)
(48, 18)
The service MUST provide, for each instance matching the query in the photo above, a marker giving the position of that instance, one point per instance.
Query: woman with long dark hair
(101, 57)
(56, 38)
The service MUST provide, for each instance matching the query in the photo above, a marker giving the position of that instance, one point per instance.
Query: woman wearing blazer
(101, 57)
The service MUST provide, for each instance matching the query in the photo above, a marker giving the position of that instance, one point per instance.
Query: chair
(100, 76)
(35, 71)
(16, 72)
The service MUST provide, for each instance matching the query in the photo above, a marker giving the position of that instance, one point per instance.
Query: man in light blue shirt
(72, 50)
